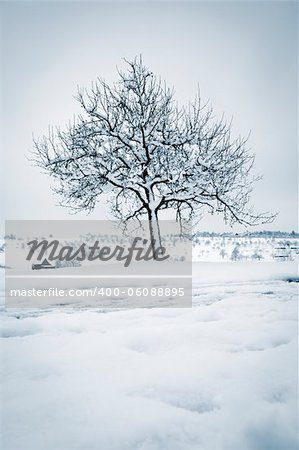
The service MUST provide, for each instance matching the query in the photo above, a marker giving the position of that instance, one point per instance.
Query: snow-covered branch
(133, 141)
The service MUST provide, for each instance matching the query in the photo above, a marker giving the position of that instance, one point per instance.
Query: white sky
(242, 55)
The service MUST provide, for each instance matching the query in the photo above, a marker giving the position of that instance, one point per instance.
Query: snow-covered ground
(238, 248)
(221, 375)
(210, 248)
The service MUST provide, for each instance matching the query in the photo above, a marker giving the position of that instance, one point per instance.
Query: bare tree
(134, 141)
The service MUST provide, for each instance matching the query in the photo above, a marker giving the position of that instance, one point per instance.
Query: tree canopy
(133, 141)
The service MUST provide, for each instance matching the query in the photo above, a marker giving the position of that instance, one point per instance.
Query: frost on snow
(221, 375)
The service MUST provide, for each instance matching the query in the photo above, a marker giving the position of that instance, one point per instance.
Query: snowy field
(221, 375)
(214, 248)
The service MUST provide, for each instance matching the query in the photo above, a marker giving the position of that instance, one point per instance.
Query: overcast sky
(242, 55)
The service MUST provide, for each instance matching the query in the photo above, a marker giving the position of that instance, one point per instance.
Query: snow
(221, 248)
(221, 375)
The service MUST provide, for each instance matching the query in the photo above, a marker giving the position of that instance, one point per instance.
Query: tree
(133, 141)
(223, 253)
(236, 255)
(257, 255)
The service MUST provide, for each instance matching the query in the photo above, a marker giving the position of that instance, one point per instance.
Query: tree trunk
(154, 230)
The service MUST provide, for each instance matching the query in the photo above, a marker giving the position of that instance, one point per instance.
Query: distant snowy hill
(254, 246)
(206, 246)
